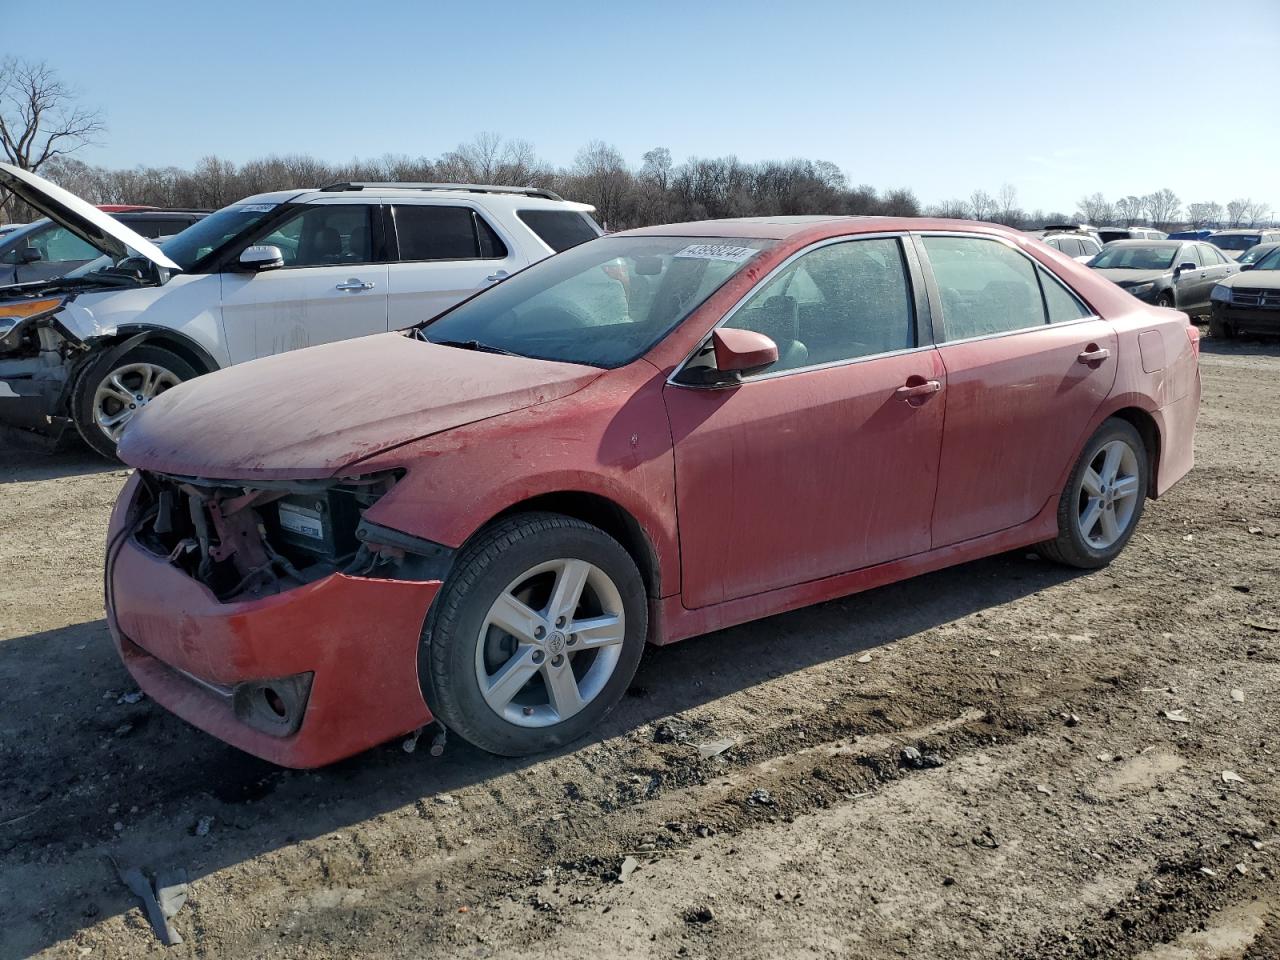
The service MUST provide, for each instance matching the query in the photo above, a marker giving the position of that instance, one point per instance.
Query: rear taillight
(1193, 334)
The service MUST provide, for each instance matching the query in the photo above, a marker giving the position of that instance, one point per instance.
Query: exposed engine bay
(251, 541)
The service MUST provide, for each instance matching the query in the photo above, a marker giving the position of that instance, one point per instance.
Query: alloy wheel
(125, 391)
(1108, 495)
(550, 642)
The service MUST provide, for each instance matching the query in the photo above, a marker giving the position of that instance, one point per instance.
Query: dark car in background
(1168, 273)
(1108, 234)
(1236, 242)
(43, 250)
(1249, 259)
(1190, 235)
(1249, 300)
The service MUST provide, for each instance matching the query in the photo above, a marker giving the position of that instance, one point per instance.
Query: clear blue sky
(1058, 98)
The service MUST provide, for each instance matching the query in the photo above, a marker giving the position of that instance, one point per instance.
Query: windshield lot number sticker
(717, 251)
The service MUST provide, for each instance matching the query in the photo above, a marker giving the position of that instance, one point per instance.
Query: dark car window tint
(837, 302)
(491, 245)
(1062, 304)
(558, 229)
(985, 287)
(325, 235)
(431, 232)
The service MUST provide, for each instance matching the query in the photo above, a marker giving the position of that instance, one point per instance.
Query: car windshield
(1256, 253)
(1268, 261)
(1134, 258)
(603, 303)
(187, 248)
(1234, 241)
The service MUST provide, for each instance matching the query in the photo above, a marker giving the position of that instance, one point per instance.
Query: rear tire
(1102, 501)
(108, 393)
(1166, 300)
(502, 663)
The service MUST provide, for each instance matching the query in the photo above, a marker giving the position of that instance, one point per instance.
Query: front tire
(1219, 329)
(1166, 300)
(536, 635)
(1102, 501)
(108, 392)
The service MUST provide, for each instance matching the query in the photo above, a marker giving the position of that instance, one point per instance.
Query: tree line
(42, 124)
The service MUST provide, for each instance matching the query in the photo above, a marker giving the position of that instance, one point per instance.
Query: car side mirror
(262, 257)
(1185, 266)
(742, 352)
(29, 254)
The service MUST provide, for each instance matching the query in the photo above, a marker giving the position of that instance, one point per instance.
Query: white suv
(271, 273)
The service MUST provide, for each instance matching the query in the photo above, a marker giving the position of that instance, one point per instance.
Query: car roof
(813, 227)
(512, 201)
(1243, 232)
(1139, 242)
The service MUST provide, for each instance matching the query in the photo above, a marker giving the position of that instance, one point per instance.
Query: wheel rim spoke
(1110, 527)
(1089, 518)
(598, 632)
(1111, 465)
(1092, 482)
(570, 579)
(1125, 487)
(562, 687)
(115, 420)
(510, 679)
(515, 618)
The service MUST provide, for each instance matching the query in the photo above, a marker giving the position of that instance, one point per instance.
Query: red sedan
(655, 434)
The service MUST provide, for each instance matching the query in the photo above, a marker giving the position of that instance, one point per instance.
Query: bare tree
(1204, 214)
(1236, 211)
(600, 177)
(982, 205)
(1162, 207)
(1130, 209)
(952, 210)
(39, 116)
(1097, 209)
(655, 167)
(1007, 210)
(1257, 212)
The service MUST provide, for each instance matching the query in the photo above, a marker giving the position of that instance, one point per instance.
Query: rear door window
(559, 229)
(985, 287)
(439, 232)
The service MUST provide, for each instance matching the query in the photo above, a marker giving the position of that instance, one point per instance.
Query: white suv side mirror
(262, 257)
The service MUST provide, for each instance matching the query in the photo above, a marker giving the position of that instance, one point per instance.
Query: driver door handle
(355, 284)
(495, 277)
(1093, 354)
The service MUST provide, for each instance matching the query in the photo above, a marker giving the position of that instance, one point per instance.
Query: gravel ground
(751, 797)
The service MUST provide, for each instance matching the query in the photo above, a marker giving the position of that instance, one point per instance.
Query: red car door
(1027, 367)
(827, 461)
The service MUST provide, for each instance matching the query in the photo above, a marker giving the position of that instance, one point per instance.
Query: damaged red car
(481, 521)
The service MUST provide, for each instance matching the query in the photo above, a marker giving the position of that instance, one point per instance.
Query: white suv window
(439, 232)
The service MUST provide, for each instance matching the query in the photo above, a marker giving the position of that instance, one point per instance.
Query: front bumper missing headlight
(301, 677)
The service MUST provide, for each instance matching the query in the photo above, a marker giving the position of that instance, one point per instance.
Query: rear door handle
(355, 284)
(915, 391)
(1093, 354)
(495, 277)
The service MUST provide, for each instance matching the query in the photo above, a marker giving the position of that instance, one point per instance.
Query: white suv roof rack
(465, 187)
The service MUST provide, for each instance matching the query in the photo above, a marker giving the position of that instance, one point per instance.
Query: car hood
(310, 413)
(1257, 279)
(83, 219)
(1128, 278)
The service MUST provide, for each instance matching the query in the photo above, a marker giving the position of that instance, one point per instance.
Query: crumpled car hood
(310, 413)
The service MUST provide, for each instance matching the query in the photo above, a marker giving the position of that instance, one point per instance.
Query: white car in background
(273, 272)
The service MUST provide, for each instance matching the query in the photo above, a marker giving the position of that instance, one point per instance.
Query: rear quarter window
(559, 229)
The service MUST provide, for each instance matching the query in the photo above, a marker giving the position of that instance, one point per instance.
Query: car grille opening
(255, 539)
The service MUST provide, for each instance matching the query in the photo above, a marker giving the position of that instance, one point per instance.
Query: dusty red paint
(753, 500)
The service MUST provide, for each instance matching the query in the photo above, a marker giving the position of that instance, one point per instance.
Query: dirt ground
(748, 799)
